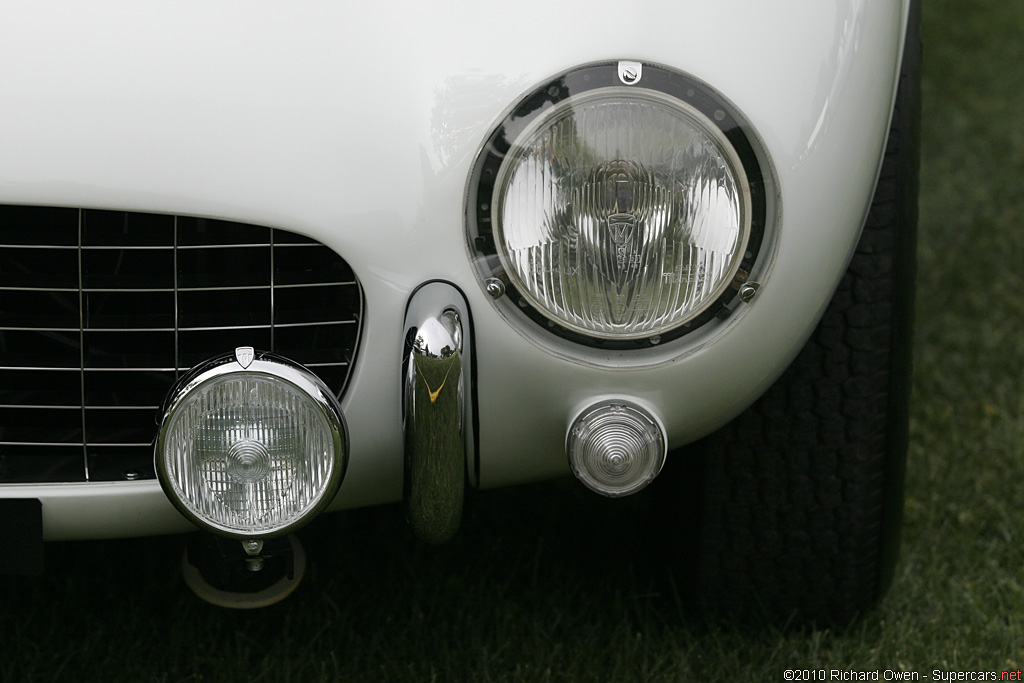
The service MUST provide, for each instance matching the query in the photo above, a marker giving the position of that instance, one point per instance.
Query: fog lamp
(616, 448)
(251, 445)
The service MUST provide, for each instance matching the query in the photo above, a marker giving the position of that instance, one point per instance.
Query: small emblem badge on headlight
(630, 73)
(622, 227)
(244, 355)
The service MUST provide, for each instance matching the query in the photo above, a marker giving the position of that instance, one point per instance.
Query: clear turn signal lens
(616, 448)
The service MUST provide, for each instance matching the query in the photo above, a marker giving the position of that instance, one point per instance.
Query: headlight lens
(251, 451)
(618, 213)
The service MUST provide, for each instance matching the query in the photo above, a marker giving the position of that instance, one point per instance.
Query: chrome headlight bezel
(724, 123)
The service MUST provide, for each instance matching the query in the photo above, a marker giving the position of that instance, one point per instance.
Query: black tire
(795, 507)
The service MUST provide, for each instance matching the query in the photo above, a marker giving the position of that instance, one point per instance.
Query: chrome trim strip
(81, 352)
(436, 410)
(177, 308)
(217, 328)
(150, 290)
(273, 279)
(36, 368)
(75, 444)
(44, 406)
(157, 247)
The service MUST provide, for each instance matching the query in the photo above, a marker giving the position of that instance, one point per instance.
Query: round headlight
(615, 210)
(251, 447)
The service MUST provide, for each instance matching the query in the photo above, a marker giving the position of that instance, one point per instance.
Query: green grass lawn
(521, 595)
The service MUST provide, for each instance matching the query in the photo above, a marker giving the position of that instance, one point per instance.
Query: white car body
(359, 126)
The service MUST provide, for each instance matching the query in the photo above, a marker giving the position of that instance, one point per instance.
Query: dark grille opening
(101, 311)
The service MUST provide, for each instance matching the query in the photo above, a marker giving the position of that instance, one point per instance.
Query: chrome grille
(101, 311)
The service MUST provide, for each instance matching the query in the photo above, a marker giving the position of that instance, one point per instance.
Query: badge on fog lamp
(251, 445)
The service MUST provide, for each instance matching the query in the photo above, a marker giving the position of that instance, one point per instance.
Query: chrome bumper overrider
(437, 410)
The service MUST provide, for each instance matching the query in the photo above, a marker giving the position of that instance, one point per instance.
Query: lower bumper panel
(21, 537)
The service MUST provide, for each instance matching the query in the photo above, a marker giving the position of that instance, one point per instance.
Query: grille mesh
(101, 311)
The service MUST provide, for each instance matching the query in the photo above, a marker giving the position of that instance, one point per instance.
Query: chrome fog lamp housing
(251, 445)
(616, 448)
(620, 205)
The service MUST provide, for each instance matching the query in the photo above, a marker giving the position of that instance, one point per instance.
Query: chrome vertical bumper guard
(437, 410)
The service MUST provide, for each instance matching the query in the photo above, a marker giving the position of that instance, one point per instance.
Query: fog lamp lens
(251, 451)
(616, 448)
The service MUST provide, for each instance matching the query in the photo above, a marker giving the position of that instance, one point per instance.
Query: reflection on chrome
(436, 368)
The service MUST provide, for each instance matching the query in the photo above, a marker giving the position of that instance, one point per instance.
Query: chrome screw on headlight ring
(618, 210)
(251, 445)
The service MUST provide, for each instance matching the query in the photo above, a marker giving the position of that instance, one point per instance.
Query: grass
(520, 595)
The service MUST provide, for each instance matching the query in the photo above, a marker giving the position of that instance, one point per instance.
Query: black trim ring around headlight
(251, 445)
(616, 212)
